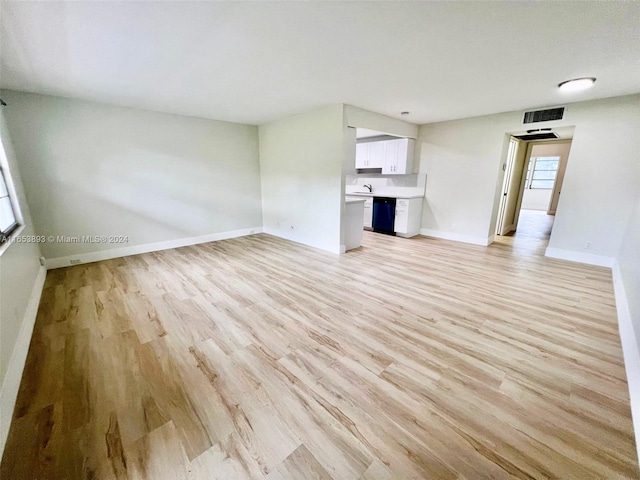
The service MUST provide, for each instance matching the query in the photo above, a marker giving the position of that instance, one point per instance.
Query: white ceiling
(252, 62)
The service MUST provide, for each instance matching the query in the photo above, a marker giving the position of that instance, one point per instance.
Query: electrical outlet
(587, 245)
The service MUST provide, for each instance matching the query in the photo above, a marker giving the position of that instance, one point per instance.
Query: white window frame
(13, 196)
(532, 169)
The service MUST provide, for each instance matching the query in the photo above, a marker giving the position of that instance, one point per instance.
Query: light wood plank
(261, 358)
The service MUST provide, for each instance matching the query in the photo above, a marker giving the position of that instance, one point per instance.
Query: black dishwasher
(384, 214)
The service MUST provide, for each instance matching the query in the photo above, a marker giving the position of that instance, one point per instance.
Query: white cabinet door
(394, 157)
(401, 223)
(376, 154)
(368, 213)
(390, 156)
(398, 156)
(402, 161)
(362, 155)
(408, 217)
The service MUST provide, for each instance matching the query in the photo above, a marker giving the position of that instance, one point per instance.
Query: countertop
(354, 200)
(374, 194)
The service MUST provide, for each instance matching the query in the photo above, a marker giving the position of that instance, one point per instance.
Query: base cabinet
(408, 217)
(368, 213)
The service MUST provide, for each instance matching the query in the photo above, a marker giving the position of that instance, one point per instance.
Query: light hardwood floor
(532, 234)
(260, 358)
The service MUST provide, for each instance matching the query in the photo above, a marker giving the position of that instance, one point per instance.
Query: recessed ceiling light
(577, 84)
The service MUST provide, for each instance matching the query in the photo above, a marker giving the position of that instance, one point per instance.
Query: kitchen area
(382, 193)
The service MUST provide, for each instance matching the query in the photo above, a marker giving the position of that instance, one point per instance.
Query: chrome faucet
(368, 187)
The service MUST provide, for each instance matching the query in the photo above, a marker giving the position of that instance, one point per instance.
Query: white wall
(21, 279)
(463, 158)
(536, 198)
(626, 280)
(301, 160)
(359, 118)
(628, 263)
(348, 169)
(602, 177)
(94, 169)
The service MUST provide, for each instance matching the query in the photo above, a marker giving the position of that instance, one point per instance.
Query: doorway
(532, 185)
(547, 163)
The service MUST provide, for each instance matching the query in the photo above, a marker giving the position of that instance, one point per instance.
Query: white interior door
(510, 188)
(563, 149)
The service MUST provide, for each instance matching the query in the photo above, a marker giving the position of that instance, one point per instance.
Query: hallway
(532, 234)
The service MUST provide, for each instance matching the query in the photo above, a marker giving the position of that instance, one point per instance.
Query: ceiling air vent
(544, 115)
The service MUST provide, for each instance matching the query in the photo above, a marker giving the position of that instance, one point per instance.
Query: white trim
(295, 239)
(580, 257)
(457, 237)
(343, 249)
(630, 350)
(11, 383)
(146, 248)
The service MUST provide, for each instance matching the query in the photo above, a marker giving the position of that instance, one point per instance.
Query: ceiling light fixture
(404, 113)
(577, 84)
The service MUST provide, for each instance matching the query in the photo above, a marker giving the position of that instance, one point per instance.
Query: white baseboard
(630, 350)
(11, 383)
(588, 258)
(295, 239)
(145, 248)
(457, 237)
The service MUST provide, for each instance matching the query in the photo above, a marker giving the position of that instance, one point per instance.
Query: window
(542, 172)
(8, 221)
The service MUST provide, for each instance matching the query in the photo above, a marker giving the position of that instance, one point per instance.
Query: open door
(533, 174)
(562, 150)
(513, 167)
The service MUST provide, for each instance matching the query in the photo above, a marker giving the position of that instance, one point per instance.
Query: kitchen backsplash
(388, 185)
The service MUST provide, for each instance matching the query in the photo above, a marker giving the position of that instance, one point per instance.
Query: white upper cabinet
(376, 154)
(370, 155)
(398, 156)
(393, 157)
(390, 157)
(362, 155)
